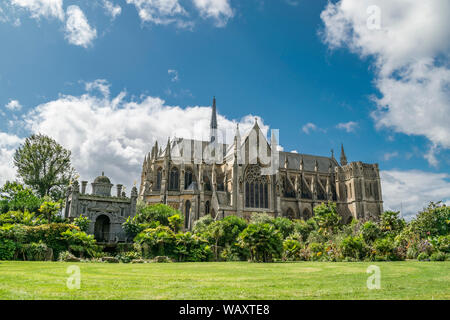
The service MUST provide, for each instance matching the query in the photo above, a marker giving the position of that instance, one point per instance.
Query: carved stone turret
(343, 159)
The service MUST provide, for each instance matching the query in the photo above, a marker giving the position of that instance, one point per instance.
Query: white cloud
(13, 105)
(160, 11)
(8, 144)
(113, 10)
(173, 74)
(42, 8)
(100, 84)
(219, 10)
(311, 127)
(78, 30)
(409, 41)
(413, 190)
(347, 126)
(389, 155)
(114, 134)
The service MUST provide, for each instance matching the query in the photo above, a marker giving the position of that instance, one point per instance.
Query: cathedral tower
(213, 125)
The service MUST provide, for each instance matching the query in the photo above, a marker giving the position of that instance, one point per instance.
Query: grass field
(228, 280)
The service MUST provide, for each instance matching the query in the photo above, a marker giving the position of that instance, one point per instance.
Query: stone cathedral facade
(240, 182)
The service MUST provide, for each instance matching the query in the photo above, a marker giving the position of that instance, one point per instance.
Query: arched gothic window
(207, 206)
(290, 214)
(306, 214)
(207, 183)
(158, 179)
(187, 178)
(187, 214)
(174, 179)
(256, 189)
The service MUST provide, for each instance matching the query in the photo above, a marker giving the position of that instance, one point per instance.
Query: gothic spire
(343, 157)
(167, 154)
(213, 125)
(237, 139)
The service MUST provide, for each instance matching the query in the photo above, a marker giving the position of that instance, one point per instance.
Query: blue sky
(283, 61)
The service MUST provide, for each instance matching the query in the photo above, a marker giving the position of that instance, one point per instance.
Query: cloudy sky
(106, 78)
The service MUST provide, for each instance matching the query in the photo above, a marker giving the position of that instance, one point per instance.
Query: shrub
(160, 241)
(423, 256)
(150, 217)
(156, 212)
(370, 231)
(353, 247)
(438, 256)
(16, 197)
(390, 223)
(36, 251)
(127, 257)
(161, 259)
(201, 225)
(303, 228)
(284, 225)
(132, 227)
(50, 234)
(385, 249)
(292, 249)
(412, 253)
(190, 247)
(49, 211)
(175, 222)
(258, 217)
(425, 246)
(7, 249)
(326, 216)
(264, 242)
(224, 233)
(82, 223)
(234, 252)
(20, 217)
(232, 226)
(331, 252)
(66, 256)
(316, 250)
(80, 242)
(316, 236)
(433, 221)
(444, 243)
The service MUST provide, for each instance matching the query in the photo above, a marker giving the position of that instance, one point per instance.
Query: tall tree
(44, 165)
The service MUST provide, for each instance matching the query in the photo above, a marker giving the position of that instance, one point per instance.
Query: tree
(433, 220)
(391, 223)
(156, 212)
(50, 210)
(44, 165)
(326, 216)
(16, 197)
(263, 241)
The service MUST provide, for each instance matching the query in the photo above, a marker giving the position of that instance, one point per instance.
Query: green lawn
(227, 280)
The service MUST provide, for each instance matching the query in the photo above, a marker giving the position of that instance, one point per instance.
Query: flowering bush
(353, 247)
(292, 249)
(385, 249)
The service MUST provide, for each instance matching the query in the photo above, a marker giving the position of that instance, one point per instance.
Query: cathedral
(251, 175)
